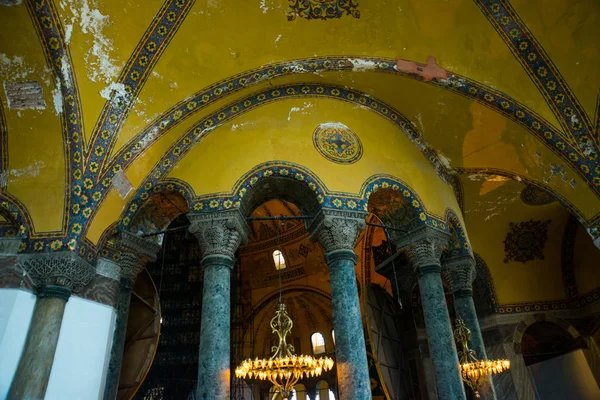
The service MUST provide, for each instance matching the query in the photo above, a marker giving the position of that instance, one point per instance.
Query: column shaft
(465, 309)
(350, 350)
(439, 333)
(214, 357)
(35, 365)
(116, 353)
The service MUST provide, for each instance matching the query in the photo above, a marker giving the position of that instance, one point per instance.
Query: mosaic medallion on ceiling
(536, 197)
(322, 9)
(526, 241)
(337, 143)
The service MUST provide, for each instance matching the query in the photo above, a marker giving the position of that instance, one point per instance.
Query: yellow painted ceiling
(487, 216)
(221, 38)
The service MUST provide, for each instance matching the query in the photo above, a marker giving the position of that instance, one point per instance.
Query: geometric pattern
(525, 241)
(322, 9)
(535, 196)
(337, 143)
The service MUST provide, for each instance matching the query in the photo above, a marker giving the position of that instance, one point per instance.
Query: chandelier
(472, 370)
(284, 368)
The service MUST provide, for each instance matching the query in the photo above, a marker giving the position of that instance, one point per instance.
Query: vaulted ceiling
(104, 101)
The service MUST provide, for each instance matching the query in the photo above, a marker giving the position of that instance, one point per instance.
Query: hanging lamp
(473, 371)
(284, 368)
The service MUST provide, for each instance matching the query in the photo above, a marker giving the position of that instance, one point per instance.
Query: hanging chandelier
(472, 370)
(284, 368)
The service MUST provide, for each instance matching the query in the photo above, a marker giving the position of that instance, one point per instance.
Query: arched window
(279, 260)
(333, 336)
(318, 343)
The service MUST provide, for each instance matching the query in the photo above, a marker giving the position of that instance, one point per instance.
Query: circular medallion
(337, 143)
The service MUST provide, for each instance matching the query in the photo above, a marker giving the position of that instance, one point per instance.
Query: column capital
(460, 273)
(136, 252)
(423, 248)
(63, 268)
(597, 242)
(9, 246)
(337, 229)
(219, 233)
(129, 242)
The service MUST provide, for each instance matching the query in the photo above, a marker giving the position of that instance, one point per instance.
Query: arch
(497, 101)
(389, 183)
(459, 241)
(484, 291)
(18, 220)
(542, 317)
(278, 180)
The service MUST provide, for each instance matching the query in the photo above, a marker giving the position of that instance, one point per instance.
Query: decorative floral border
(133, 76)
(544, 73)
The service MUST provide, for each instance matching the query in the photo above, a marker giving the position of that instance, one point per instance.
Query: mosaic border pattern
(326, 199)
(134, 75)
(51, 35)
(323, 10)
(543, 72)
(554, 139)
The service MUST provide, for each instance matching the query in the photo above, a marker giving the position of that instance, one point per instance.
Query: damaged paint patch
(121, 184)
(24, 95)
(30, 171)
(361, 65)
(116, 92)
(14, 68)
(299, 109)
(100, 66)
(427, 72)
(57, 98)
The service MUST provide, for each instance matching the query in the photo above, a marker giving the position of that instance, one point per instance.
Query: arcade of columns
(57, 276)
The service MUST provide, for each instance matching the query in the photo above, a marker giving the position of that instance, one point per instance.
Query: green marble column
(337, 232)
(136, 252)
(213, 367)
(55, 276)
(425, 257)
(460, 274)
(219, 235)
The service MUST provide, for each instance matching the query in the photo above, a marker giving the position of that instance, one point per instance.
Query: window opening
(279, 260)
(318, 343)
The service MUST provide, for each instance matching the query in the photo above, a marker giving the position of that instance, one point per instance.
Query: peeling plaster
(57, 98)
(100, 66)
(362, 65)
(29, 171)
(277, 40)
(299, 109)
(14, 68)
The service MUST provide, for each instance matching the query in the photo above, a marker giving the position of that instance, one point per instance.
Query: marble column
(135, 253)
(219, 235)
(55, 276)
(424, 254)
(337, 232)
(460, 274)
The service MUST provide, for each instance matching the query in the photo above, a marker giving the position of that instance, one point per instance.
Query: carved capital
(597, 242)
(64, 268)
(131, 243)
(131, 265)
(423, 248)
(9, 246)
(460, 274)
(337, 229)
(219, 233)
